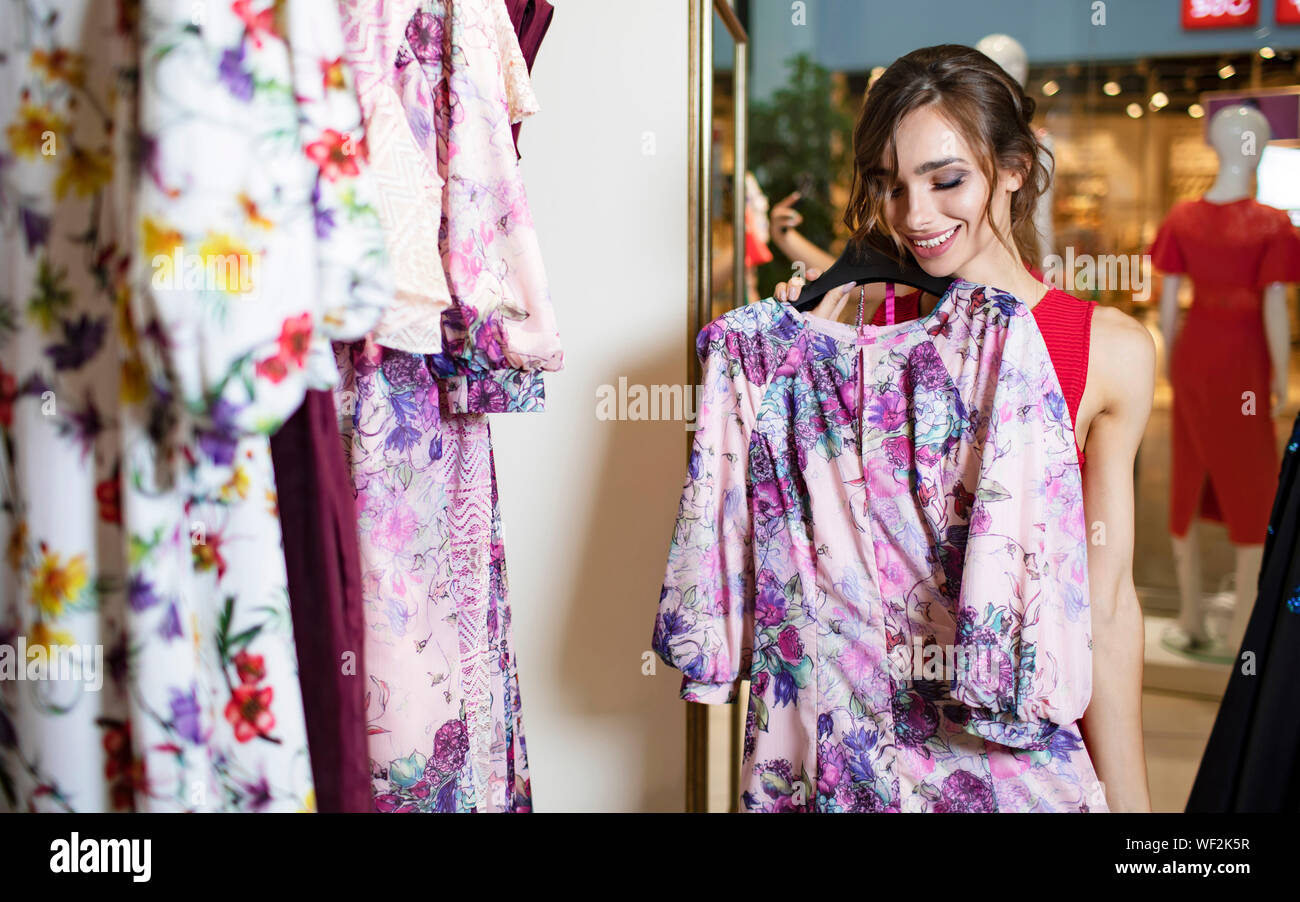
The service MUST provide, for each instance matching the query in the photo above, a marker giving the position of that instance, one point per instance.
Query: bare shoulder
(1122, 357)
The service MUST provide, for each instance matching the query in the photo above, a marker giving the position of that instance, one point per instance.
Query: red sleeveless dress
(1224, 457)
(1066, 326)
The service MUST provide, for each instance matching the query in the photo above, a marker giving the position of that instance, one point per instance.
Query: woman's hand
(784, 216)
(829, 307)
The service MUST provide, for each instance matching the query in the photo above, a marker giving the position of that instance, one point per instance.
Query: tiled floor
(1175, 729)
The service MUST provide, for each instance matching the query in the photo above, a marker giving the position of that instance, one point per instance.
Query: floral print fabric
(443, 705)
(857, 499)
(140, 512)
(461, 89)
(407, 180)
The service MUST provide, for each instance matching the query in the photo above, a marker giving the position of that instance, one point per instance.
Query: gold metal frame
(700, 286)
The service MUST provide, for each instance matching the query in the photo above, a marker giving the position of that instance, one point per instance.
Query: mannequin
(1010, 54)
(1238, 135)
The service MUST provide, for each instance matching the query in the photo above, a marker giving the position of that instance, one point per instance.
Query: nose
(918, 211)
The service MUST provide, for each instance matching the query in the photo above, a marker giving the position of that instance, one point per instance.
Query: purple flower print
(887, 411)
(964, 792)
(769, 502)
(980, 521)
(185, 714)
(220, 440)
(758, 685)
(402, 370)
(487, 396)
(792, 363)
(785, 690)
(36, 228)
(898, 449)
(830, 767)
(232, 74)
(140, 593)
(450, 744)
(171, 624)
(927, 367)
(424, 34)
(916, 719)
(82, 337)
(790, 644)
(769, 606)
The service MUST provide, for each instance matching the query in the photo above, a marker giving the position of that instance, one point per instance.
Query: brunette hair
(984, 103)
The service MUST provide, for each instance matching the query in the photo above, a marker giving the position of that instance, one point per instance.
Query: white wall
(588, 505)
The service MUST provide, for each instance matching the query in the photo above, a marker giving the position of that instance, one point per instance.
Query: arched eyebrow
(937, 164)
(881, 172)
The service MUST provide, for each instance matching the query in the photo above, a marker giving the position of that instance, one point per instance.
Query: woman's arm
(783, 219)
(1122, 358)
(1277, 329)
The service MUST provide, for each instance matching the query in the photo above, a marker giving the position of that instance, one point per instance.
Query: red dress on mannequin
(1225, 460)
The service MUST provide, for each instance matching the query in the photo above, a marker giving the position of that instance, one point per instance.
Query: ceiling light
(1111, 88)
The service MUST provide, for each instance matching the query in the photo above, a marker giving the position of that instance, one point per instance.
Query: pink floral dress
(882, 530)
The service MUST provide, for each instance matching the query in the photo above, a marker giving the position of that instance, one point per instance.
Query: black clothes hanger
(861, 264)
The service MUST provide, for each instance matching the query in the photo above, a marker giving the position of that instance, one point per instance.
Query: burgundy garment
(530, 18)
(319, 519)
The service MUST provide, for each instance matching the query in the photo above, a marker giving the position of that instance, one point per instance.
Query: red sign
(1288, 12)
(1223, 13)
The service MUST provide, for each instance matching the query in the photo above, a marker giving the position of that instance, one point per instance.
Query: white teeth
(935, 242)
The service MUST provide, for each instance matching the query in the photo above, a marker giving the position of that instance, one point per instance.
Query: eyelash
(941, 186)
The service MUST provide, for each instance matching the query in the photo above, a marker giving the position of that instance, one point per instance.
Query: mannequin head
(943, 148)
(1238, 135)
(1008, 53)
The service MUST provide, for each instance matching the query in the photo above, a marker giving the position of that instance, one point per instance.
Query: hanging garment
(407, 182)
(443, 705)
(500, 333)
(531, 19)
(318, 518)
(202, 232)
(857, 502)
(1252, 759)
(1224, 459)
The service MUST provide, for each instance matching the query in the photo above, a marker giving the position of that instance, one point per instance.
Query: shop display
(1224, 461)
(1227, 361)
(178, 320)
(854, 503)
(142, 516)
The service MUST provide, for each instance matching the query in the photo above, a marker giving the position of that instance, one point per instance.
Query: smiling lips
(934, 245)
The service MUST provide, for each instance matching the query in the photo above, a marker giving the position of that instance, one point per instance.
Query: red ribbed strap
(1066, 325)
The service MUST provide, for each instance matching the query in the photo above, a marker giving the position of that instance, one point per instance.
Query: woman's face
(937, 203)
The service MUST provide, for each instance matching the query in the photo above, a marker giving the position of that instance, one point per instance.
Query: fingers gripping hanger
(863, 265)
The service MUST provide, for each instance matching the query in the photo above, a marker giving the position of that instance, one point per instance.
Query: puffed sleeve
(1166, 255)
(705, 621)
(1281, 262)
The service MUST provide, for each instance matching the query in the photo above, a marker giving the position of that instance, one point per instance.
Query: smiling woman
(947, 175)
(973, 121)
